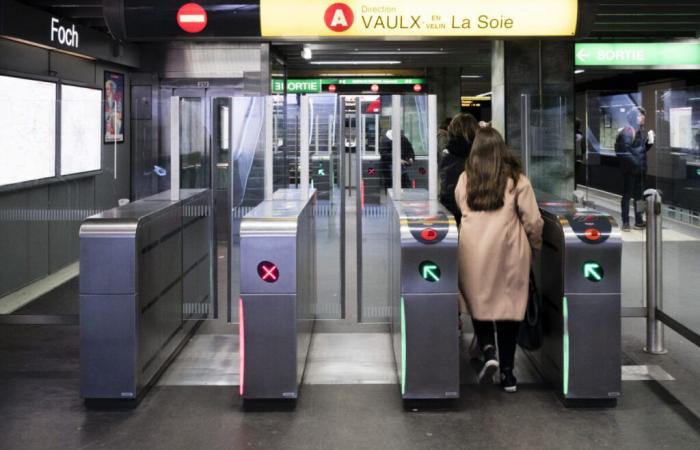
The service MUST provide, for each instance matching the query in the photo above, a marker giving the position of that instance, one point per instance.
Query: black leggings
(507, 339)
(631, 189)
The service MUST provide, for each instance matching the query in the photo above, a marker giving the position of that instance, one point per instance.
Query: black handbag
(530, 336)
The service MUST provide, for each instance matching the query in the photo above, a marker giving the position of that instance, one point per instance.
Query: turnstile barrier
(278, 294)
(424, 297)
(145, 281)
(580, 283)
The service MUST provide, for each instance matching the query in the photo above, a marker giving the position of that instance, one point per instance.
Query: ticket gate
(144, 284)
(580, 284)
(423, 264)
(372, 179)
(278, 292)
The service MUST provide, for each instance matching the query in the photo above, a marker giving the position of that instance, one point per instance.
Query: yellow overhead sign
(418, 18)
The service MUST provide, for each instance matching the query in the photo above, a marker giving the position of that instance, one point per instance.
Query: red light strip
(241, 346)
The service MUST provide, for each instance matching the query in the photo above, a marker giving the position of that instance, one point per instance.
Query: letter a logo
(339, 17)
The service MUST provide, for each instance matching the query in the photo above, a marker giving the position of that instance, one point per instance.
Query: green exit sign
(663, 55)
(429, 271)
(297, 86)
(593, 271)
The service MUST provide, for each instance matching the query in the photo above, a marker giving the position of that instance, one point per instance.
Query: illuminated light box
(81, 142)
(27, 130)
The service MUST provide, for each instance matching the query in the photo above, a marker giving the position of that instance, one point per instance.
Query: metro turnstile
(580, 284)
(424, 296)
(278, 292)
(144, 281)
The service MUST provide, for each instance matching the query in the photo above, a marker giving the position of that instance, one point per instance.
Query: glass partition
(674, 169)
(323, 175)
(600, 179)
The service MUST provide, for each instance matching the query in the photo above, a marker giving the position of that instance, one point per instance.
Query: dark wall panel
(18, 57)
(39, 225)
(66, 201)
(24, 237)
(70, 68)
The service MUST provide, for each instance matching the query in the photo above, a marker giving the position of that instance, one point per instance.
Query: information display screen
(81, 139)
(27, 130)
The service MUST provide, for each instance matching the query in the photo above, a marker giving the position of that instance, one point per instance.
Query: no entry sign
(192, 18)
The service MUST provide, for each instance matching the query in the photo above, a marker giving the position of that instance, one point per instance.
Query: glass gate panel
(674, 168)
(600, 179)
(323, 175)
(374, 176)
(247, 175)
(194, 170)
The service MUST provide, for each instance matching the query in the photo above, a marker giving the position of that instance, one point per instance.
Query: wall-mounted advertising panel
(81, 131)
(418, 18)
(648, 55)
(27, 130)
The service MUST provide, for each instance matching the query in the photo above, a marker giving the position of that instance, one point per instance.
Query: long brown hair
(463, 125)
(489, 166)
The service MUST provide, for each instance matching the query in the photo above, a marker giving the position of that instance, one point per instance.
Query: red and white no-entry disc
(192, 18)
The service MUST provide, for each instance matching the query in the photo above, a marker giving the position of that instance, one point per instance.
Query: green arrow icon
(593, 271)
(583, 55)
(698, 172)
(321, 171)
(429, 271)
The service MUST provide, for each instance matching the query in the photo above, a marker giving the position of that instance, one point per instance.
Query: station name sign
(418, 18)
(681, 55)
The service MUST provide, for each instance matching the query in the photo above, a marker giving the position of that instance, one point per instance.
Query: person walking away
(501, 228)
(461, 131)
(385, 159)
(631, 147)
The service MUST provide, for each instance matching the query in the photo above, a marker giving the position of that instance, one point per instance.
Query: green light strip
(566, 346)
(403, 349)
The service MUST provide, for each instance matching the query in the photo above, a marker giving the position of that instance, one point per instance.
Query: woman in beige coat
(501, 226)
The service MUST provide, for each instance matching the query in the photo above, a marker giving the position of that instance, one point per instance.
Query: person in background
(443, 136)
(631, 147)
(461, 132)
(501, 229)
(580, 147)
(385, 159)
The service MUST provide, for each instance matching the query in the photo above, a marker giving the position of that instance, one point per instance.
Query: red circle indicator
(268, 271)
(592, 234)
(331, 88)
(417, 87)
(375, 88)
(339, 17)
(192, 18)
(428, 234)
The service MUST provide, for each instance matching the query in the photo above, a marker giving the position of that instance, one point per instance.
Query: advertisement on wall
(113, 107)
(417, 18)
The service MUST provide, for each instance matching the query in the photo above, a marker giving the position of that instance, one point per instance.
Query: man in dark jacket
(631, 147)
(385, 159)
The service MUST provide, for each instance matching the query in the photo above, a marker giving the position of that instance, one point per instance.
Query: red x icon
(371, 171)
(268, 271)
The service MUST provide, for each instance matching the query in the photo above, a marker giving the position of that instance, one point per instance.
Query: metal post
(655, 329)
(269, 145)
(341, 184)
(525, 132)
(304, 146)
(359, 151)
(316, 118)
(396, 146)
(432, 148)
(175, 148)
